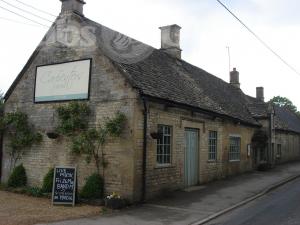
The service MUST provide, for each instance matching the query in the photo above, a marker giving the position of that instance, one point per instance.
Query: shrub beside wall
(18, 177)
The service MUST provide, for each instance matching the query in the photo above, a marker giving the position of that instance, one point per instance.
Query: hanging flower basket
(156, 135)
(52, 135)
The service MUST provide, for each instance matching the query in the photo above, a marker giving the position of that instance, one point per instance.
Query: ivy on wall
(73, 118)
(90, 142)
(260, 139)
(21, 134)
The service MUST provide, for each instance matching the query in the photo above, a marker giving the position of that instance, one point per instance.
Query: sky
(207, 30)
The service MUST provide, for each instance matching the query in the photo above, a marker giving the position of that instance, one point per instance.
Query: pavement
(201, 204)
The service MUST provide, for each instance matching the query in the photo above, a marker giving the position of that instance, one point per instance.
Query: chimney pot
(260, 94)
(170, 40)
(75, 6)
(234, 78)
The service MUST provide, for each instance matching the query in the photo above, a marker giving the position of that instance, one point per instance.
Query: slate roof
(165, 77)
(286, 120)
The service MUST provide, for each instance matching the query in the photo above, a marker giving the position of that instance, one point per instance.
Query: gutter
(144, 179)
(196, 109)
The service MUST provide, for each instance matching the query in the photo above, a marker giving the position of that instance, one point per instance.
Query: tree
(284, 102)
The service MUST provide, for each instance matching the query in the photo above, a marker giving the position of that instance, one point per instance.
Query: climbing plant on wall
(259, 139)
(90, 142)
(21, 134)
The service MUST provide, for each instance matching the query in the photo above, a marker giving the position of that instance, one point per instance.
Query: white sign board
(62, 82)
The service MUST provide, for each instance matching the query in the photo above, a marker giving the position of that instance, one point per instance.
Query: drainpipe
(144, 180)
(270, 150)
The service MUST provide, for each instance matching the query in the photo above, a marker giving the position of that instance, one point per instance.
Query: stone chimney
(75, 6)
(170, 40)
(235, 78)
(260, 94)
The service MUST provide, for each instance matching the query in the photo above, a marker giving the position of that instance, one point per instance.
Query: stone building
(287, 135)
(184, 126)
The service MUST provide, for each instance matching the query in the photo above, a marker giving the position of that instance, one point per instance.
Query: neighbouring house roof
(258, 108)
(286, 120)
(162, 76)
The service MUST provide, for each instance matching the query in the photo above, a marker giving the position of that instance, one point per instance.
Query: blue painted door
(191, 156)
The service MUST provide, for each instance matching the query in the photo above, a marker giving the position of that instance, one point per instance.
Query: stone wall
(290, 146)
(109, 93)
(163, 179)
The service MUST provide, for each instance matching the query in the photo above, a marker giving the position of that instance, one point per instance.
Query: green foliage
(21, 134)
(73, 122)
(85, 143)
(18, 177)
(115, 125)
(72, 118)
(283, 102)
(93, 187)
(48, 181)
(259, 139)
(34, 191)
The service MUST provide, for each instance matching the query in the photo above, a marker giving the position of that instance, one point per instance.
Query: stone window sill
(235, 161)
(164, 166)
(212, 161)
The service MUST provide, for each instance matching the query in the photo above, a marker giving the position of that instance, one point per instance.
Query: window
(278, 151)
(212, 145)
(234, 148)
(164, 145)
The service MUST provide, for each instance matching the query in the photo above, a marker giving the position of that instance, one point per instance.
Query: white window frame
(163, 155)
(212, 145)
(232, 154)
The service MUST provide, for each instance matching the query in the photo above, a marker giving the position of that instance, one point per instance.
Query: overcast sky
(206, 31)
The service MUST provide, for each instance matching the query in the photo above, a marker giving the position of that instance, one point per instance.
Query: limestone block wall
(162, 179)
(290, 146)
(109, 93)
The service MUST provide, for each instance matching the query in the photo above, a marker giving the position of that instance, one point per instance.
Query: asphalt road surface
(280, 207)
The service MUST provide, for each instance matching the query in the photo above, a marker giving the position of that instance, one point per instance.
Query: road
(280, 207)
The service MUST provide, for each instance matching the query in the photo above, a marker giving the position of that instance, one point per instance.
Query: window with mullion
(278, 150)
(164, 145)
(234, 148)
(212, 145)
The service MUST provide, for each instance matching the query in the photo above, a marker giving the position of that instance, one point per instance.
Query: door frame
(197, 170)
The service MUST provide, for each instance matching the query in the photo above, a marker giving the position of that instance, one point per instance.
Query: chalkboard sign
(64, 186)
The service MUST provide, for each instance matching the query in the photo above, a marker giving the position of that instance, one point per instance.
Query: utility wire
(24, 17)
(259, 39)
(30, 6)
(15, 21)
(23, 10)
